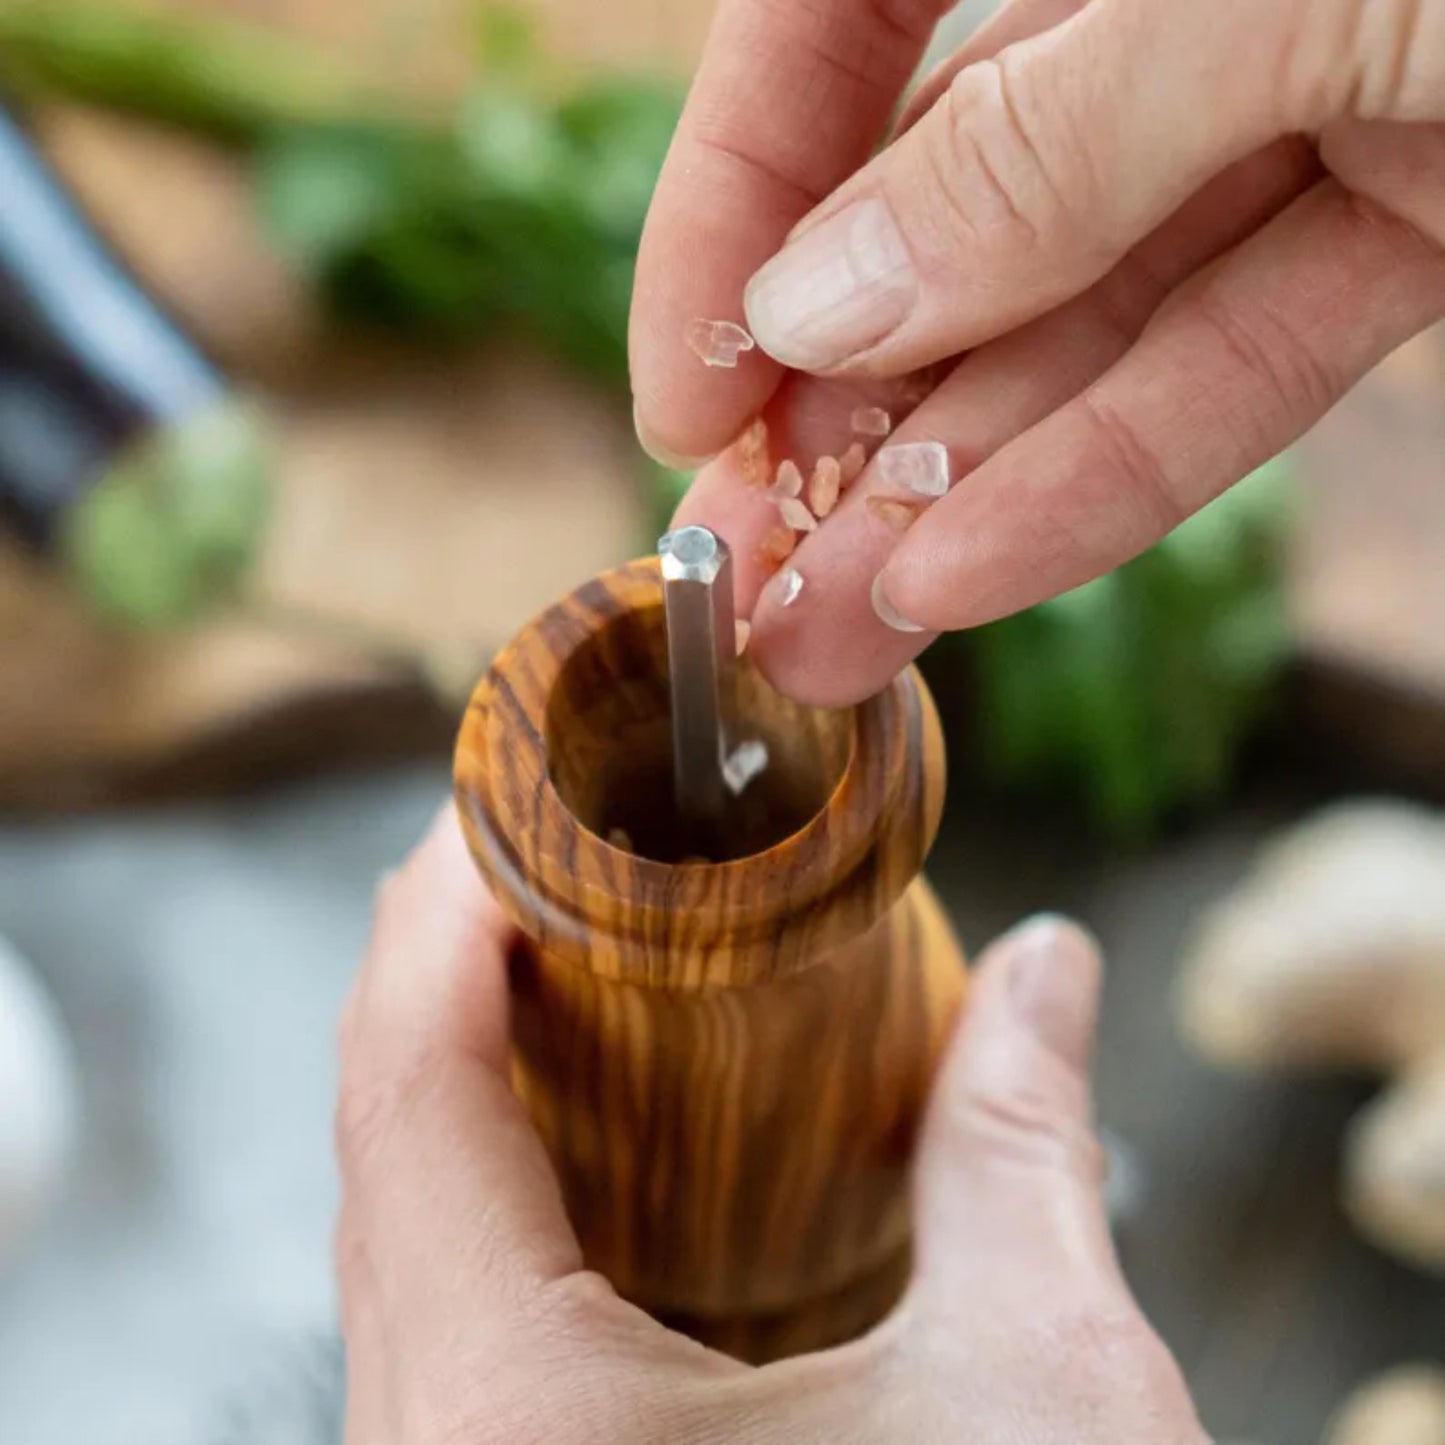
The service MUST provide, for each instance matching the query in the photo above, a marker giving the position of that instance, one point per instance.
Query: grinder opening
(609, 749)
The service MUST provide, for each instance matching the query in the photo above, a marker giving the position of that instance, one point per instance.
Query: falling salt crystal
(789, 481)
(777, 546)
(620, 838)
(717, 343)
(796, 515)
(790, 583)
(895, 511)
(746, 761)
(851, 464)
(871, 421)
(742, 631)
(919, 467)
(823, 490)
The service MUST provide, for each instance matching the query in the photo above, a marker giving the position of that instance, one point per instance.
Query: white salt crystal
(746, 761)
(717, 343)
(796, 515)
(790, 583)
(789, 481)
(871, 421)
(918, 467)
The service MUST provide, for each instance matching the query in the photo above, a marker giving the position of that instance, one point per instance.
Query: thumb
(451, 1208)
(1028, 179)
(1010, 1212)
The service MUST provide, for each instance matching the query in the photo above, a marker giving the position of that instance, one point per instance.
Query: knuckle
(366, 1112)
(1147, 488)
(1389, 56)
(993, 168)
(1376, 59)
(1023, 1128)
(1289, 376)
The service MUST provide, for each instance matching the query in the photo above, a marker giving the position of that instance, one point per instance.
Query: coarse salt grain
(871, 421)
(895, 511)
(717, 343)
(918, 467)
(788, 482)
(753, 459)
(790, 584)
(796, 515)
(777, 546)
(620, 838)
(747, 761)
(824, 487)
(742, 631)
(851, 464)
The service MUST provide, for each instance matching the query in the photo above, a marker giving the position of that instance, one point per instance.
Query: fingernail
(843, 285)
(1049, 980)
(662, 454)
(887, 612)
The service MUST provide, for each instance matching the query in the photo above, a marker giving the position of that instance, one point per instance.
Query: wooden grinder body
(727, 1060)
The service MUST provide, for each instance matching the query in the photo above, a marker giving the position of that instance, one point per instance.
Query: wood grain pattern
(726, 1060)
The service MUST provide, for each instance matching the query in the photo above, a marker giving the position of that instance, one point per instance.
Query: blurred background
(312, 390)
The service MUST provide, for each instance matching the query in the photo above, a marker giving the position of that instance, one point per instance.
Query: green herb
(1135, 692)
(171, 531)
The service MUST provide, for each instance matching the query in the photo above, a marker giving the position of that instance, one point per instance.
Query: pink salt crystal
(796, 515)
(753, 459)
(823, 489)
(871, 421)
(918, 467)
(917, 386)
(851, 464)
(789, 482)
(777, 546)
(717, 343)
(742, 631)
(790, 584)
(895, 512)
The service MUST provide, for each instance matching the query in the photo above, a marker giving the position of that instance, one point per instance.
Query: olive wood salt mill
(724, 1027)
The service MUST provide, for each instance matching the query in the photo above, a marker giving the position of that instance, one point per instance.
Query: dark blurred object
(89, 364)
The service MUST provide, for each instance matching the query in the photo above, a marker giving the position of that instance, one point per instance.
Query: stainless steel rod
(697, 581)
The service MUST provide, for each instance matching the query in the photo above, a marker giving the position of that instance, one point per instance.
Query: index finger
(789, 101)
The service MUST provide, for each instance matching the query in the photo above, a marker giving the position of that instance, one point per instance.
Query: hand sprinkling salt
(871, 421)
(918, 467)
(717, 343)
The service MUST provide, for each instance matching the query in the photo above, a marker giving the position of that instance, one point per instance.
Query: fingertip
(1053, 970)
(653, 443)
